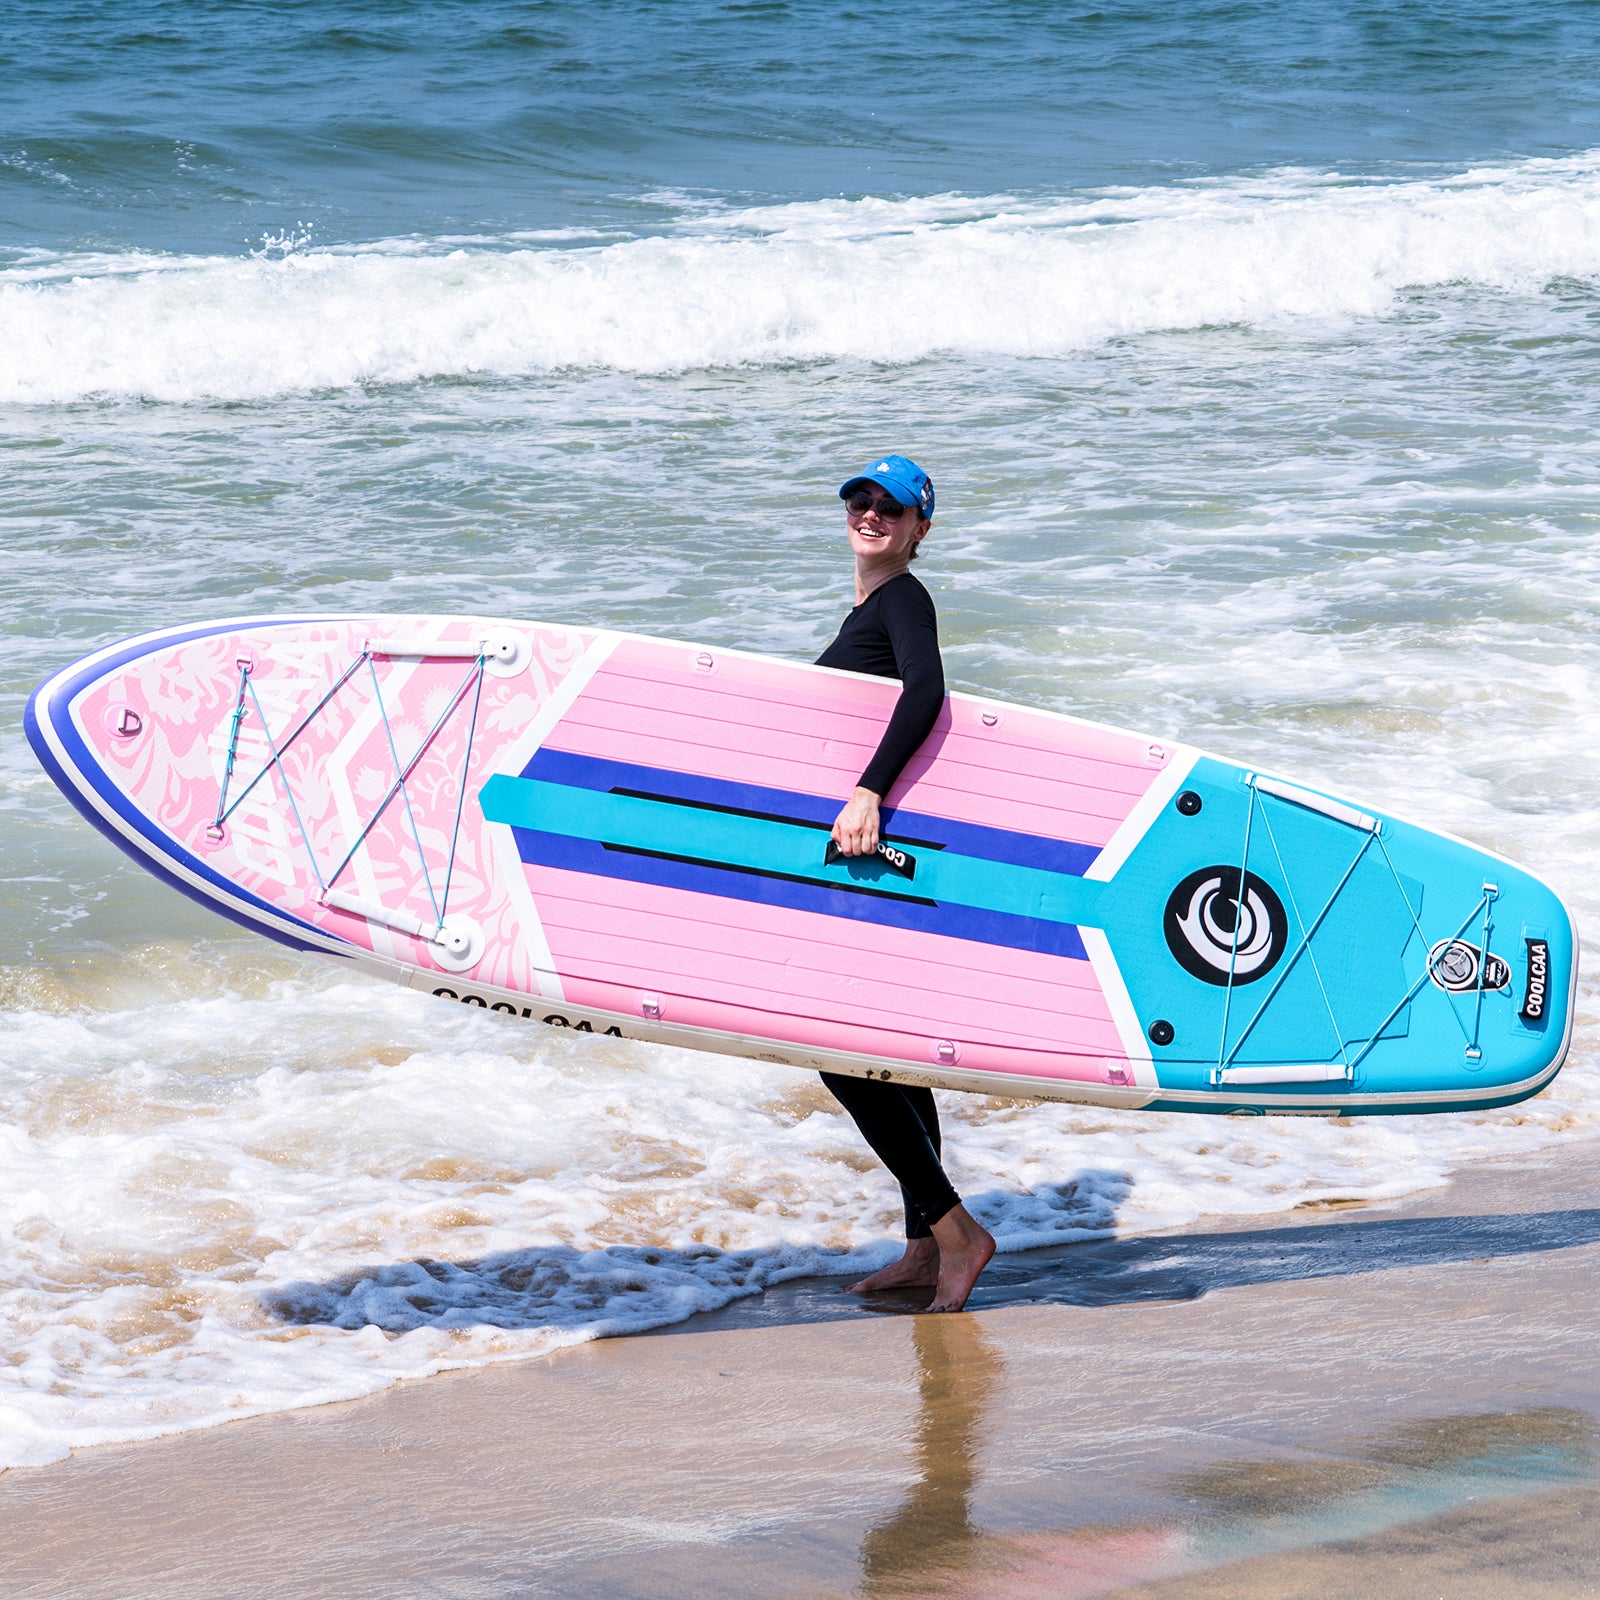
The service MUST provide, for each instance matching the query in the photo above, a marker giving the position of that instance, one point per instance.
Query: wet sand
(1395, 1399)
(1536, 1547)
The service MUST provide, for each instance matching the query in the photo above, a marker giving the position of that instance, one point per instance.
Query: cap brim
(901, 490)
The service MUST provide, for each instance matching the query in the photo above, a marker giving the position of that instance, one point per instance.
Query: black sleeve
(908, 617)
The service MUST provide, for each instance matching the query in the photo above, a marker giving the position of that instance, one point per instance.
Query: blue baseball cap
(901, 476)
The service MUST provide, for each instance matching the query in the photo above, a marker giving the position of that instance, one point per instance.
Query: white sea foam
(883, 280)
(232, 1200)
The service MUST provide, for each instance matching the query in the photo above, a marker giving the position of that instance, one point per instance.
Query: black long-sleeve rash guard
(894, 633)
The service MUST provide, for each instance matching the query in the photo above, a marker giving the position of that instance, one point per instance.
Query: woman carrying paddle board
(892, 632)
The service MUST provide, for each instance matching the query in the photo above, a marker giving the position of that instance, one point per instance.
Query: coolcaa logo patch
(1224, 925)
(1538, 990)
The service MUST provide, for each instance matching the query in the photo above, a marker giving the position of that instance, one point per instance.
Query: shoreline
(1264, 1397)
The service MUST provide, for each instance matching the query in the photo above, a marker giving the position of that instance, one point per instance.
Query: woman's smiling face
(876, 534)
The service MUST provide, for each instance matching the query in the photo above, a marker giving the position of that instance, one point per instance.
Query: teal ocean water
(1252, 349)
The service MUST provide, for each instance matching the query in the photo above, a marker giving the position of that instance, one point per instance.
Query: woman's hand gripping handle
(856, 829)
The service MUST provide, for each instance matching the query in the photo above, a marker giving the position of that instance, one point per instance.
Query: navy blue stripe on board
(911, 827)
(953, 921)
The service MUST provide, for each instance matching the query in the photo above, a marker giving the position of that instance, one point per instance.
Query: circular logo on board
(1214, 927)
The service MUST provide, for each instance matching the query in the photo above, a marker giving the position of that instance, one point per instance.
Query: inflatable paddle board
(629, 836)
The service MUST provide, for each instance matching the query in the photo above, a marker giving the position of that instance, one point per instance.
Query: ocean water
(1252, 348)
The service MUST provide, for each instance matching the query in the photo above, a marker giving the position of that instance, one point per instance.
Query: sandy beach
(1397, 1399)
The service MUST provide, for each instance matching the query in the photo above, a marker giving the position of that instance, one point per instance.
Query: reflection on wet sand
(932, 1533)
(1225, 1513)
(1550, 1443)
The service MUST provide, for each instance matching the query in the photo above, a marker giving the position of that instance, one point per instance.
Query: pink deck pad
(796, 977)
(806, 977)
(753, 721)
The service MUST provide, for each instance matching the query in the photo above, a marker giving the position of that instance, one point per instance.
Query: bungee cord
(1294, 906)
(247, 697)
(1434, 953)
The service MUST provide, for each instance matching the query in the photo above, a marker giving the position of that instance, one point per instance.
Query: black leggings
(902, 1126)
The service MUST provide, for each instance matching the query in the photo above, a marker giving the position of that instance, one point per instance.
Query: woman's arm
(913, 628)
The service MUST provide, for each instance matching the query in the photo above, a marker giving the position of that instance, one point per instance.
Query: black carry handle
(891, 855)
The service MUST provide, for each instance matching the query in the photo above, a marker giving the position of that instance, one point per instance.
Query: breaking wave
(873, 279)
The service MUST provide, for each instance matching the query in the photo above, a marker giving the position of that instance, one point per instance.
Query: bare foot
(918, 1268)
(964, 1246)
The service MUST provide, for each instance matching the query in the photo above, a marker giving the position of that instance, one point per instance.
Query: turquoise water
(1252, 349)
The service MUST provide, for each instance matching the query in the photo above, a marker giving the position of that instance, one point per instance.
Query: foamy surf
(259, 1186)
(880, 280)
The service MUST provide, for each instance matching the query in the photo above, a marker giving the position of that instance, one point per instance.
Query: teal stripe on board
(795, 851)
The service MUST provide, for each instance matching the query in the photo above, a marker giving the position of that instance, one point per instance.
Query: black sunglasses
(860, 503)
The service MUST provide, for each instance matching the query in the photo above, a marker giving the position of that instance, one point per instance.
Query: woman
(893, 632)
